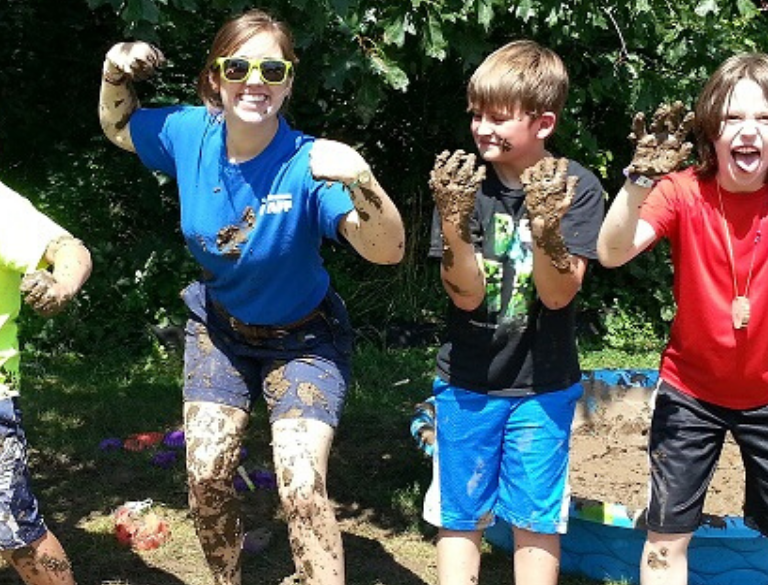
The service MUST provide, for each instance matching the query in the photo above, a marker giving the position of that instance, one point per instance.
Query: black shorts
(686, 440)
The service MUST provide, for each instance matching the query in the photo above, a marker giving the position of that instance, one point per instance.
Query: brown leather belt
(254, 333)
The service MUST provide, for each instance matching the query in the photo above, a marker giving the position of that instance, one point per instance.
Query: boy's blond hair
(715, 99)
(522, 76)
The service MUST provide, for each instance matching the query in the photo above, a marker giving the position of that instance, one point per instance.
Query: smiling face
(741, 147)
(515, 140)
(252, 101)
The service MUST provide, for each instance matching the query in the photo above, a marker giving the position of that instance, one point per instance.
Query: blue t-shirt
(255, 227)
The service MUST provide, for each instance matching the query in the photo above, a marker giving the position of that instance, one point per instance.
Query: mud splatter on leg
(301, 449)
(658, 560)
(44, 561)
(214, 436)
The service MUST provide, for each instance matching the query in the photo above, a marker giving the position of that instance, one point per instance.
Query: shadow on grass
(71, 404)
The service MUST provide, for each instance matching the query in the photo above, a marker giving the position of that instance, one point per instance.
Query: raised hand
(454, 181)
(661, 148)
(549, 192)
(44, 294)
(132, 61)
(336, 161)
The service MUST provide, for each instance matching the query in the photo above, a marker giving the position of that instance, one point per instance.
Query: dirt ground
(609, 459)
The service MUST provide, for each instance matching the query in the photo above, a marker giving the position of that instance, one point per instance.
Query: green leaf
(524, 10)
(394, 31)
(434, 41)
(340, 6)
(643, 6)
(391, 72)
(706, 7)
(188, 5)
(747, 8)
(136, 10)
(484, 13)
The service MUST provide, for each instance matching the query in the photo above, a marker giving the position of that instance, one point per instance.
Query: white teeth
(253, 98)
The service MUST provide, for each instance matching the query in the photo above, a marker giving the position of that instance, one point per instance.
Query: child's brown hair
(715, 98)
(521, 76)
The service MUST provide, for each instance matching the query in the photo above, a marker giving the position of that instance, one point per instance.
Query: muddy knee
(303, 500)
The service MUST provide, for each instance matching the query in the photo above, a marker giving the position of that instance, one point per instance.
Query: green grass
(377, 476)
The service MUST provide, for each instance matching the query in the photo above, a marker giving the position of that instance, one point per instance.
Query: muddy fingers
(660, 147)
(454, 180)
(549, 192)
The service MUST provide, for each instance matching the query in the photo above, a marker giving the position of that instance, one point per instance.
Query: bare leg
(537, 557)
(665, 559)
(301, 449)
(214, 434)
(44, 562)
(458, 557)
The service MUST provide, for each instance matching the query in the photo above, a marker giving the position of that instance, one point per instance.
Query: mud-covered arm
(659, 150)
(549, 192)
(124, 64)
(49, 292)
(454, 182)
(374, 227)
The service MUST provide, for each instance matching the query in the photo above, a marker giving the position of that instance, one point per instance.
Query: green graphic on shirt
(494, 271)
(513, 248)
(503, 232)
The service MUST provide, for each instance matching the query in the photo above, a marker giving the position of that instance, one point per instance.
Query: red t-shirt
(706, 356)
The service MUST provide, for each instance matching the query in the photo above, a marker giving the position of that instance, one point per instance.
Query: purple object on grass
(174, 439)
(264, 480)
(164, 459)
(111, 444)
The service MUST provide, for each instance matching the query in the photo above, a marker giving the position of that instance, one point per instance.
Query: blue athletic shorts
(501, 456)
(20, 521)
(685, 443)
(302, 370)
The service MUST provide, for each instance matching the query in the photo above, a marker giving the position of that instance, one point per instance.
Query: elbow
(555, 302)
(608, 258)
(467, 303)
(389, 254)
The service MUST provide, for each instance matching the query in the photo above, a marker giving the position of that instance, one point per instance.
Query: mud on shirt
(512, 345)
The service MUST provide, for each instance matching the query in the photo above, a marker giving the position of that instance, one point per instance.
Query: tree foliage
(387, 77)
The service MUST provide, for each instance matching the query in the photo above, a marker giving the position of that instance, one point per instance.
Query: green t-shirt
(24, 236)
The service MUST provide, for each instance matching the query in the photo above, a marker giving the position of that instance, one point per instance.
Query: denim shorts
(685, 443)
(20, 521)
(302, 370)
(501, 456)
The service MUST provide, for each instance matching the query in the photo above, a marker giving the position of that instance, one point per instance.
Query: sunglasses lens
(235, 69)
(274, 71)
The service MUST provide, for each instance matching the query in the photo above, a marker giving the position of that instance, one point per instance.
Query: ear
(213, 79)
(546, 125)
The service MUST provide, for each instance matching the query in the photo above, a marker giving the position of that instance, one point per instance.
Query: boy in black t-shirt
(515, 238)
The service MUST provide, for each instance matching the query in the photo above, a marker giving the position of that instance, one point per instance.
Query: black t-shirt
(512, 345)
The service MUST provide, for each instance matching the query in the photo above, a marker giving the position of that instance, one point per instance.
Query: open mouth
(747, 158)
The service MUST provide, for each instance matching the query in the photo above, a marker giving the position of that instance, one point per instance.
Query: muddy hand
(136, 61)
(336, 161)
(454, 180)
(43, 293)
(661, 148)
(548, 195)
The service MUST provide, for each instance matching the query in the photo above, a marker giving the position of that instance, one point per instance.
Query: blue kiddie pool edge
(605, 541)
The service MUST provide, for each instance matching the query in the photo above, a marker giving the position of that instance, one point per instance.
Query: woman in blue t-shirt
(257, 198)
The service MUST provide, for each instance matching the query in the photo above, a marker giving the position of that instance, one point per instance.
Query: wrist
(362, 179)
(639, 179)
(112, 74)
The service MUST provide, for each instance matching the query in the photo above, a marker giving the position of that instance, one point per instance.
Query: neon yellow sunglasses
(237, 69)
